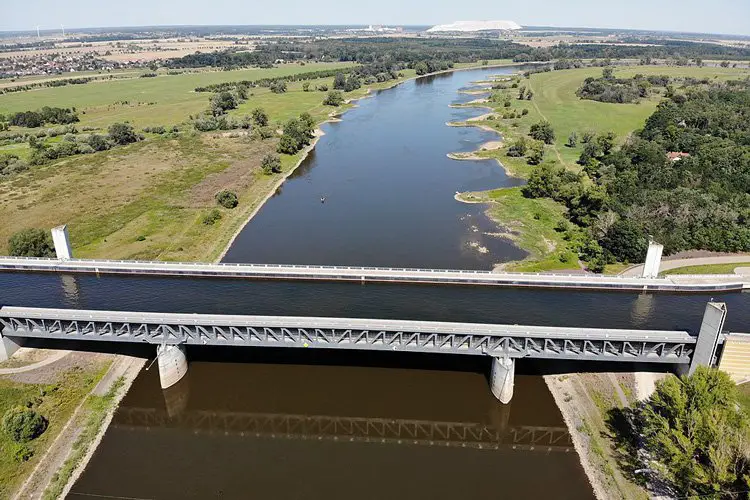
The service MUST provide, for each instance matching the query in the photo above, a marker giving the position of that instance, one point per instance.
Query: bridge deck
(347, 273)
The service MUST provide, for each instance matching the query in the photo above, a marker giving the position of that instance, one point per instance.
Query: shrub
(31, 243)
(278, 87)
(271, 164)
(334, 98)
(22, 453)
(212, 217)
(122, 133)
(260, 117)
(227, 199)
(23, 424)
(264, 132)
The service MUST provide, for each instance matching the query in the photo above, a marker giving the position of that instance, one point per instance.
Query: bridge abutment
(8, 347)
(502, 378)
(708, 336)
(172, 364)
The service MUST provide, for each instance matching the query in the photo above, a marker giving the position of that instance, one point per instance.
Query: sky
(716, 16)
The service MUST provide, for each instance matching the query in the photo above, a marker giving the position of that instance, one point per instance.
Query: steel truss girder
(516, 346)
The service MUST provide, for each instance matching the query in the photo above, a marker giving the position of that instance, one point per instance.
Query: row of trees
(45, 115)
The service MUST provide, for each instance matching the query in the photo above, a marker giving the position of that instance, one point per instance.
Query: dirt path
(52, 358)
(554, 147)
(697, 261)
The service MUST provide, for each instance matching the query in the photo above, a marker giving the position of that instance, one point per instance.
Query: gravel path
(698, 261)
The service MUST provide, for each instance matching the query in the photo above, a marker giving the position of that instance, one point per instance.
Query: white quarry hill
(465, 26)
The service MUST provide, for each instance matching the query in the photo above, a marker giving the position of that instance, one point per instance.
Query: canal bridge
(172, 332)
(676, 283)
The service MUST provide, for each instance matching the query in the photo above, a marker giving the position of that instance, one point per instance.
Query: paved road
(698, 261)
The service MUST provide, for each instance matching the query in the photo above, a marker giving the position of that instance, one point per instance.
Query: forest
(411, 51)
(697, 199)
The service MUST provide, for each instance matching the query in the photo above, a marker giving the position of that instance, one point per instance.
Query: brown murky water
(275, 428)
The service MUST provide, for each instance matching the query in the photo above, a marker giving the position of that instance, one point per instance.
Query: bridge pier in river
(502, 378)
(172, 364)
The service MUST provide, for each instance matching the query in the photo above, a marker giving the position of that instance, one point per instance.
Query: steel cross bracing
(378, 430)
(343, 333)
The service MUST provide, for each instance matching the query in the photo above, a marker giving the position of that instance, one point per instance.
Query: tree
(543, 131)
(518, 148)
(308, 124)
(529, 94)
(606, 142)
(122, 133)
(421, 68)
(334, 98)
(271, 164)
(352, 83)
(222, 102)
(522, 93)
(227, 199)
(260, 117)
(608, 74)
(695, 434)
(535, 154)
(278, 87)
(626, 241)
(339, 81)
(572, 140)
(23, 424)
(31, 243)
(306, 87)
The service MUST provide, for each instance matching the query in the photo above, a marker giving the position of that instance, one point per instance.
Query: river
(313, 424)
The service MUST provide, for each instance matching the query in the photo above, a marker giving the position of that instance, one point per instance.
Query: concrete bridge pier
(8, 346)
(502, 377)
(172, 364)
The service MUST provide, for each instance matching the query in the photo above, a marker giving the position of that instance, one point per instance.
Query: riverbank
(586, 401)
(72, 447)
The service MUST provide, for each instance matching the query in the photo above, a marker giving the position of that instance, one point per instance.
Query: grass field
(163, 100)
(555, 101)
(707, 269)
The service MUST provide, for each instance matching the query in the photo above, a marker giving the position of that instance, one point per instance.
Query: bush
(23, 424)
(212, 217)
(31, 243)
(227, 199)
(22, 453)
(334, 98)
(271, 164)
(278, 87)
(260, 117)
(264, 132)
(122, 133)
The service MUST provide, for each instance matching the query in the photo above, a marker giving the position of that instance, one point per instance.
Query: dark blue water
(389, 188)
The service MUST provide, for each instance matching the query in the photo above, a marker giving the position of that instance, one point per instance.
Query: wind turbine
(63, 30)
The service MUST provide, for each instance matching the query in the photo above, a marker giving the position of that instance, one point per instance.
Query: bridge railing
(144, 263)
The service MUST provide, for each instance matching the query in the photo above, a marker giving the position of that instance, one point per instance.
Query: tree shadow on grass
(622, 432)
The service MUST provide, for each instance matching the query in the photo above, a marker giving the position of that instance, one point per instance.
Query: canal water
(314, 424)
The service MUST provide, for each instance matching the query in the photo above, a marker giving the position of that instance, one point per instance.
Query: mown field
(555, 100)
